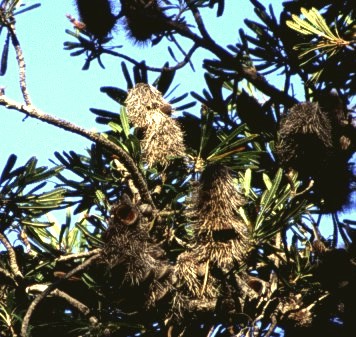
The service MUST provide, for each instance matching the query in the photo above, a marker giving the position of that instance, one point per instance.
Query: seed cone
(143, 19)
(128, 248)
(220, 231)
(316, 139)
(305, 139)
(97, 16)
(163, 137)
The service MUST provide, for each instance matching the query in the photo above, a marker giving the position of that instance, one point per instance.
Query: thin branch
(179, 65)
(231, 62)
(49, 289)
(95, 137)
(174, 40)
(76, 304)
(272, 326)
(199, 21)
(78, 255)
(12, 256)
(10, 25)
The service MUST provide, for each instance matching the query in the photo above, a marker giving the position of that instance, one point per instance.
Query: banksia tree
(189, 221)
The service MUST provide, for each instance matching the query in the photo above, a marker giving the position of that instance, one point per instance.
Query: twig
(179, 65)
(198, 19)
(10, 25)
(174, 40)
(49, 289)
(272, 326)
(95, 137)
(78, 255)
(76, 304)
(230, 61)
(12, 256)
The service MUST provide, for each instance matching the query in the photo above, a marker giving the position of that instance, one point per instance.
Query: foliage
(183, 221)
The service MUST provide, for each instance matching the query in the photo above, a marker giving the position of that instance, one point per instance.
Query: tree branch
(78, 255)
(12, 256)
(50, 289)
(10, 25)
(123, 156)
(179, 65)
(231, 62)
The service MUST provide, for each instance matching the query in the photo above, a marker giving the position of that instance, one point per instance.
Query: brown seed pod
(305, 139)
(163, 140)
(220, 232)
(143, 19)
(97, 16)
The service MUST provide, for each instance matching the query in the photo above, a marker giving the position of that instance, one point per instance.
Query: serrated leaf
(37, 224)
(165, 80)
(28, 8)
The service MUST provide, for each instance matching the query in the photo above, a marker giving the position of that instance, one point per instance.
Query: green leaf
(124, 122)
(117, 94)
(5, 55)
(267, 181)
(247, 182)
(8, 167)
(36, 223)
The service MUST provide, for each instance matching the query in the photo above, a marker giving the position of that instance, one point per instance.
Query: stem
(123, 156)
(10, 25)
(12, 256)
(49, 289)
(230, 61)
(179, 65)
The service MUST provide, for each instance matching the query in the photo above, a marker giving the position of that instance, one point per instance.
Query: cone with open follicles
(97, 15)
(129, 251)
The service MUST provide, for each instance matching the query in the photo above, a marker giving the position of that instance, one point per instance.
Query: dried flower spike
(222, 235)
(305, 139)
(97, 16)
(143, 19)
(163, 137)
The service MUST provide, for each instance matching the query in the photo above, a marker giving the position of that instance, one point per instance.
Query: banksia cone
(163, 137)
(97, 16)
(195, 288)
(141, 102)
(221, 233)
(143, 19)
(305, 139)
(128, 246)
(316, 140)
